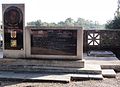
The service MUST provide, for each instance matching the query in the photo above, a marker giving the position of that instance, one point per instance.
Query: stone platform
(52, 70)
(114, 64)
(52, 66)
(43, 63)
(57, 77)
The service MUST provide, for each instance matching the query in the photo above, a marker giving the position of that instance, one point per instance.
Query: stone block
(110, 73)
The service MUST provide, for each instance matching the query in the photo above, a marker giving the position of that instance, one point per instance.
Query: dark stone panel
(13, 28)
(54, 42)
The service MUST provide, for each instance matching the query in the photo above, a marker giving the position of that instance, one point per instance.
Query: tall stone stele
(14, 32)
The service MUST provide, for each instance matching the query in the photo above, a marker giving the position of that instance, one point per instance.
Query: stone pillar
(14, 31)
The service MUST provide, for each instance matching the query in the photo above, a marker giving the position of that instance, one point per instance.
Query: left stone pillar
(14, 30)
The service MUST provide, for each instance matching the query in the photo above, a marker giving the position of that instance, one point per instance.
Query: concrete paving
(103, 58)
(59, 77)
(101, 53)
(25, 76)
(106, 64)
(86, 76)
(110, 73)
(106, 82)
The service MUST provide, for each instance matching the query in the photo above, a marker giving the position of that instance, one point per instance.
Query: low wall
(108, 40)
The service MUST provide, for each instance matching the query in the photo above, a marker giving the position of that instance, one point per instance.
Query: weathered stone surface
(86, 76)
(110, 73)
(13, 25)
(45, 66)
(48, 63)
(96, 76)
(79, 50)
(101, 54)
(106, 64)
(27, 76)
(34, 76)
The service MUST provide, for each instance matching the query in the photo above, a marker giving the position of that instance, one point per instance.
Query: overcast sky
(59, 10)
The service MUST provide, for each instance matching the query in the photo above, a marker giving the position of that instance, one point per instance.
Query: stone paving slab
(106, 64)
(102, 62)
(35, 76)
(88, 69)
(100, 58)
(110, 73)
(86, 76)
(47, 63)
(101, 54)
(96, 76)
(106, 82)
(59, 77)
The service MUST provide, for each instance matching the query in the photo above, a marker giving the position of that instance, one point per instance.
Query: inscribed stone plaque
(54, 42)
(13, 28)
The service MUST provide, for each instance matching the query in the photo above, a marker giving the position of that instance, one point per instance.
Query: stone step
(47, 63)
(109, 73)
(86, 76)
(88, 69)
(106, 64)
(25, 76)
(59, 77)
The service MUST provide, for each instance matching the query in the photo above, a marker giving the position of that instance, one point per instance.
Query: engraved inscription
(54, 42)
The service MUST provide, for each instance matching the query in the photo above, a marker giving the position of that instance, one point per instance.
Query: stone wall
(109, 40)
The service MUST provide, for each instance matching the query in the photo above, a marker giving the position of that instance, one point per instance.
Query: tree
(69, 22)
(38, 23)
(52, 24)
(113, 24)
(44, 24)
(80, 22)
(86, 24)
(61, 23)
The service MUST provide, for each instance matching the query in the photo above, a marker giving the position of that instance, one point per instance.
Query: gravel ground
(106, 82)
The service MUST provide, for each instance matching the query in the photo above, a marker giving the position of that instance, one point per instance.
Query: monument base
(45, 63)
(45, 69)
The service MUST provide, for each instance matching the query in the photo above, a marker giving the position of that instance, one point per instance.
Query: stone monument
(43, 50)
(45, 43)
(13, 25)
(55, 43)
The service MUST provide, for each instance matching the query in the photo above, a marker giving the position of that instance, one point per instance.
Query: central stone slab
(54, 43)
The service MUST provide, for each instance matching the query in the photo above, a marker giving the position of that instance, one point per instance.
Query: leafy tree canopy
(80, 22)
(113, 24)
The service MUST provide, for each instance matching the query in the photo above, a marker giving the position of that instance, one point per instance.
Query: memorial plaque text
(54, 42)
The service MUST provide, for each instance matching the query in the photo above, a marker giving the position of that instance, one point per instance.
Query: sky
(58, 10)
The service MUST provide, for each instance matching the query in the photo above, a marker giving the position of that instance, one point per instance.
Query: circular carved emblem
(13, 16)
